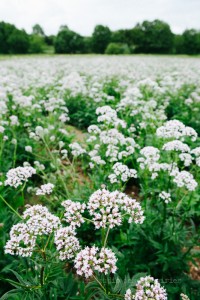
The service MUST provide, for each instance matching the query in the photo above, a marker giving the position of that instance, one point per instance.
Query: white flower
(92, 259)
(73, 212)
(106, 208)
(166, 197)
(37, 221)
(184, 297)
(176, 146)
(121, 173)
(28, 148)
(45, 189)
(76, 149)
(129, 295)
(196, 153)
(40, 221)
(14, 121)
(64, 117)
(148, 288)
(66, 243)
(186, 158)
(22, 241)
(2, 129)
(176, 129)
(17, 176)
(185, 179)
(39, 166)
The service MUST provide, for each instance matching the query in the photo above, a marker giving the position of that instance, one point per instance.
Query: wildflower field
(99, 178)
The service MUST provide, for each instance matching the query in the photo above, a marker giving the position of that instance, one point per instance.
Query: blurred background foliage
(153, 37)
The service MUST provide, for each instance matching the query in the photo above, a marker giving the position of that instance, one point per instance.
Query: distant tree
(101, 37)
(36, 44)
(153, 37)
(63, 27)
(49, 40)
(178, 44)
(38, 30)
(191, 41)
(18, 42)
(87, 44)
(68, 41)
(124, 36)
(117, 48)
(6, 30)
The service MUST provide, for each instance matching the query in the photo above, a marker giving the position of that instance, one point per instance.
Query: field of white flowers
(99, 178)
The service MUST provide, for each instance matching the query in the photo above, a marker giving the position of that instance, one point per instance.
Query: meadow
(99, 177)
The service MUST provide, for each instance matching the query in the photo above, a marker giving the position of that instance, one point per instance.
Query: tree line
(153, 37)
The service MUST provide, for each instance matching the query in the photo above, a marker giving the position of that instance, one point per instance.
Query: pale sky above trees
(82, 15)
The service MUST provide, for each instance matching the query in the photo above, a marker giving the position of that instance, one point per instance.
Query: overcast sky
(82, 15)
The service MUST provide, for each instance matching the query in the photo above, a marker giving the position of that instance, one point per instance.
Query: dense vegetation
(99, 178)
(147, 37)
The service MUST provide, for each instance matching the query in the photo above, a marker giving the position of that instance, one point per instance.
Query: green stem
(42, 269)
(11, 207)
(88, 220)
(105, 241)
(14, 155)
(103, 288)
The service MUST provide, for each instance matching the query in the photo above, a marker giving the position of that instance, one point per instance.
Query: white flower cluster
(2, 129)
(40, 221)
(14, 121)
(186, 158)
(129, 295)
(66, 242)
(121, 173)
(64, 117)
(45, 189)
(22, 241)
(196, 153)
(184, 297)
(73, 212)
(108, 116)
(94, 259)
(95, 158)
(39, 133)
(111, 143)
(77, 150)
(148, 288)
(107, 209)
(64, 153)
(39, 166)
(185, 179)
(151, 155)
(176, 146)
(28, 149)
(166, 197)
(94, 129)
(17, 176)
(23, 236)
(176, 129)
(103, 206)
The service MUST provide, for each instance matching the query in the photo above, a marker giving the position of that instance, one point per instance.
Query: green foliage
(36, 44)
(147, 37)
(191, 41)
(68, 41)
(13, 40)
(153, 37)
(101, 37)
(81, 112)
(37, 30)
(117, 48)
